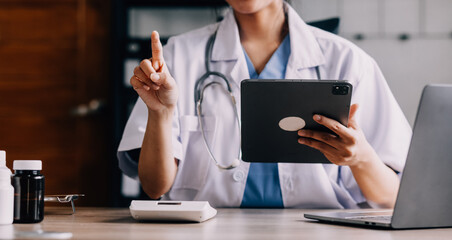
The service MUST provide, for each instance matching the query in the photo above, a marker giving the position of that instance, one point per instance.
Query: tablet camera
(340, 89)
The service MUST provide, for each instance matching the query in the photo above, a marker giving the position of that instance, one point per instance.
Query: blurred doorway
(55, 91)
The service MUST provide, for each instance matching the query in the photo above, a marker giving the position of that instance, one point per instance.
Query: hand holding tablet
(274, 110)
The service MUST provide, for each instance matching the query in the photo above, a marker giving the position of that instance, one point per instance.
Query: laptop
(425, 194)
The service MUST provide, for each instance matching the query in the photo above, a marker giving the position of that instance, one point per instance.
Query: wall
(408, 65)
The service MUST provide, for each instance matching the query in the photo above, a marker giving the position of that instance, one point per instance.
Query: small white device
(6, 192)
(186, 211)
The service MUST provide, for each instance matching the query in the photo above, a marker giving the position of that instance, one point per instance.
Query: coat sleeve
(382, 121)
(133, 135)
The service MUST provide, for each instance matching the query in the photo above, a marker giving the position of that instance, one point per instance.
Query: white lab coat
(302, 185)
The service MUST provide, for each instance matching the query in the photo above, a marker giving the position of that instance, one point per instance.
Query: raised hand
(152, 80)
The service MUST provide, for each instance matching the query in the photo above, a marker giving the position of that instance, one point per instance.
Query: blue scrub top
(262, 188)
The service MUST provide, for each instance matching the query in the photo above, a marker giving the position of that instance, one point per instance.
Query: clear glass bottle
(28, 183)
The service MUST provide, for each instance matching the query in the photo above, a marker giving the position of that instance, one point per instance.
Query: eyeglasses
(63, 199)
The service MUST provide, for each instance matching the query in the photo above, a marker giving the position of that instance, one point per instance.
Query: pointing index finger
(157, 52)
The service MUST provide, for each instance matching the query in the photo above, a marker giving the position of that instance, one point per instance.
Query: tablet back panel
(264, 103)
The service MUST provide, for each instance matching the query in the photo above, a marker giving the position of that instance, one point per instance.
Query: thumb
(163, 79)
(352, 116)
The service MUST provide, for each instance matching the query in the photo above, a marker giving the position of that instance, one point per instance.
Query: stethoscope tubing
(199, 97)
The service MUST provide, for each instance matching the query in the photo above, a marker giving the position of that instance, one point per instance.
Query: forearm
(377, 182)
(349, 147)
(157, 167)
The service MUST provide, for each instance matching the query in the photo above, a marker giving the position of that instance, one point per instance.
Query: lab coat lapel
(227, 53)
(305, 53)
(228, 58)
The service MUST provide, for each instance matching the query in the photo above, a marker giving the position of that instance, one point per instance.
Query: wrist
(366, 160)
(161, 115)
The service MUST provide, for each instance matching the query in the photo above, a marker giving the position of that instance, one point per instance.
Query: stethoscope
(199, 97)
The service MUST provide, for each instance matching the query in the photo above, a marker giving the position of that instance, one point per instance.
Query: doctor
(163, 144)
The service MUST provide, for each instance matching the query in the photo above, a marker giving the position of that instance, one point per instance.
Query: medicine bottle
(6, 192)
(28, 183)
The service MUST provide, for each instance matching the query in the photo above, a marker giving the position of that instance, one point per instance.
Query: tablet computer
(272, 111)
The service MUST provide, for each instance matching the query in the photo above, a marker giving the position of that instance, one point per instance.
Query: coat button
(238, 176)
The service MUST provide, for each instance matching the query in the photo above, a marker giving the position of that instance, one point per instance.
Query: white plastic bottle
(6, 192)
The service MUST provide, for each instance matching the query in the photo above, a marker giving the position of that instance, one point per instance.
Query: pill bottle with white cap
(28, 183)
(6, 192)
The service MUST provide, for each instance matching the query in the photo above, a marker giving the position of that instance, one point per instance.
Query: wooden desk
(99, 223)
